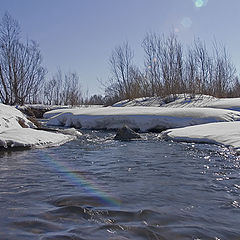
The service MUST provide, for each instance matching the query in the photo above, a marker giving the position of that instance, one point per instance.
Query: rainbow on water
(81, 181)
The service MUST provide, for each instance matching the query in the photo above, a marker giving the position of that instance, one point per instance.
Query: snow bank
(179, 100)
(142, 118)
(55, 112)
(17, 131)
(11, 118)
(54, 107)
(189, 101)
(42, 107)
(27, 137)
(226, 103)
(145, 102)
(224, 133)
(183, 100)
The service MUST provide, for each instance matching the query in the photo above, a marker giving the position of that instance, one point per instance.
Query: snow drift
(226, 103)
(178, 100)
(27, 137)
(11, 118)
(183, 101)
(224, 133)
(17, 131)
(142, 118)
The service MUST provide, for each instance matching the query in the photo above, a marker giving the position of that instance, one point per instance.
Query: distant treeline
(169, 67)
(172, 68)
(22, 76)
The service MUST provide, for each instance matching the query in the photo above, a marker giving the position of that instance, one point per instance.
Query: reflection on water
(97, 188)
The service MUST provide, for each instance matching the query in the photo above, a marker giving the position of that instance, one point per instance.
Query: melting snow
(28, 137)
(142, 118)
(17, 131)
(224, 133)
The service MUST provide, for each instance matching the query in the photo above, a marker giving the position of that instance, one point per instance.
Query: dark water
(95, 188)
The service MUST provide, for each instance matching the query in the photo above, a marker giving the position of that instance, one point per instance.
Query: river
(95, 188)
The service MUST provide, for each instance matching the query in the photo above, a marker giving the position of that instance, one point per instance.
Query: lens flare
(200, 3)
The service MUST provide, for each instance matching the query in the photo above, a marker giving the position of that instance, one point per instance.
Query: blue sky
(79, 35)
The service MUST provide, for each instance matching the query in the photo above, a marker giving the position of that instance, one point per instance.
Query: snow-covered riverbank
(183, 101)
(28, 137)
(17, 131)
(200, 119)
(142, 118)
(224, 133)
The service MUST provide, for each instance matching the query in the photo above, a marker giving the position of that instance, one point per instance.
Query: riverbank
(18, 131)
(210, 120)
(182, 117)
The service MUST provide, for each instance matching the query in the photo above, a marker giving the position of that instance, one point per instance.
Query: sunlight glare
(200, 3)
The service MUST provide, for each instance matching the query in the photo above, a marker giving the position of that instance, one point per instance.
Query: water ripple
(97, 188)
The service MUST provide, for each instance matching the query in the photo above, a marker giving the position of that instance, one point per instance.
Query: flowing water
(96, 188)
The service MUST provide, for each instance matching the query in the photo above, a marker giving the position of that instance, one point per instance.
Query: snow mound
(224, 133)
(189, 101)
(178, 100)
(53, 107)
(226, 103)
(42, 107)
(145, 101)
(182, 101)
(55, 112)
(11, 118)
(27, 137)
(142, 118)
(17, 131)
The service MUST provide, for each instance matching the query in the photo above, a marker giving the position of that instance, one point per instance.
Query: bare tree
(72, 94)
(164, 63)
(49, 89)
(120, 63)
(53, 89)
(191, 72)
(21, 73)
(9, 37)
(152, 45)
(96, 99)
(235, 91)
(63, 89)
(170, 69)
(171, 61)
(139, 86)
(224, 71)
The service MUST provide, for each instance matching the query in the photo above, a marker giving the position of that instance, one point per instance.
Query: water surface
(96, 188)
